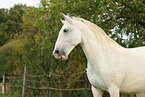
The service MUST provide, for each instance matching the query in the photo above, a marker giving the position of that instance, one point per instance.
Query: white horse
(110, 67)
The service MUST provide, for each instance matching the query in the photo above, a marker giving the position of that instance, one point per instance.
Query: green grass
(6, 95)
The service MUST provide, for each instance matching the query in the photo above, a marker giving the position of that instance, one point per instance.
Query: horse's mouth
(62, 57)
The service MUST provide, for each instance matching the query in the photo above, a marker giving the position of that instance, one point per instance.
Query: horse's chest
(95, 78)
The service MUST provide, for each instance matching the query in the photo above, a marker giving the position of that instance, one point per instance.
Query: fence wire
(47, 85)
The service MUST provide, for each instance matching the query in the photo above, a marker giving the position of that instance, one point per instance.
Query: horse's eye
(65, 30)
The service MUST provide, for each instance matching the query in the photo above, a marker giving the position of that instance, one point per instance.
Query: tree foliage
(10, 22)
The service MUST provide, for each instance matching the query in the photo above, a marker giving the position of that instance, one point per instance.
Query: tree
(3, 26)
(10, 56)
(10, 22)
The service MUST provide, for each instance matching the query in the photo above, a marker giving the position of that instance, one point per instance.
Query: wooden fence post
(4, 83)
(24, 82)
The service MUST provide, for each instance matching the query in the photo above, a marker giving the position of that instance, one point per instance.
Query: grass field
(4, 95)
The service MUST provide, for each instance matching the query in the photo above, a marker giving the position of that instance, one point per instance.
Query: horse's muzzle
(60, 55)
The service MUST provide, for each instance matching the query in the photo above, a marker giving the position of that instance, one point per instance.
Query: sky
(10, 3)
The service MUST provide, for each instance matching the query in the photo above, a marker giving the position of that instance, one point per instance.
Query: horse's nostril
(56, 51)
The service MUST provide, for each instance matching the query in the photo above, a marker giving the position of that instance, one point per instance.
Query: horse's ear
(62, 21)
(67, 18)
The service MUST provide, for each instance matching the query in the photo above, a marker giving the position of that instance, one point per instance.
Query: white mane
(97, 31)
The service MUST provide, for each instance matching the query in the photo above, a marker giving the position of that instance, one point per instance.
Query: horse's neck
(95, 49)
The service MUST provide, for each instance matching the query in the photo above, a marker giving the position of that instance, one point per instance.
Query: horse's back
(140, 50)
(134, 61)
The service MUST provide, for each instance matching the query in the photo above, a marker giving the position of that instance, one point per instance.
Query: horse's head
(69, 36)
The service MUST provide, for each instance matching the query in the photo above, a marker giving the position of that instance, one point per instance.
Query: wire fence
(46, 85)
